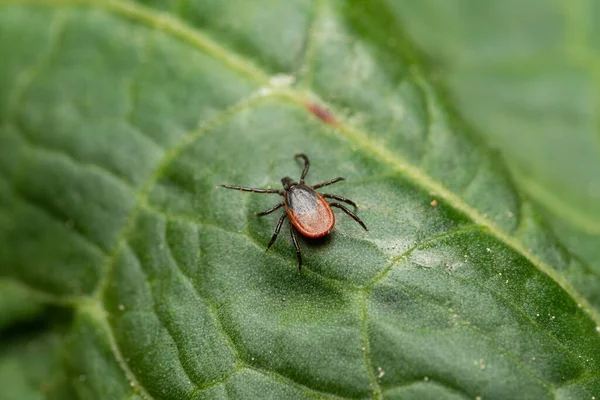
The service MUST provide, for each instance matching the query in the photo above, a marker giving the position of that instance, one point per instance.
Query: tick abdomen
(308, 211)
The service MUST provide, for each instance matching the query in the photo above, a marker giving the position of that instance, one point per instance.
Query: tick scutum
(308, 211)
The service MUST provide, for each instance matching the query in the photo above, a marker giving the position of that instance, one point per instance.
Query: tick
(309, 213)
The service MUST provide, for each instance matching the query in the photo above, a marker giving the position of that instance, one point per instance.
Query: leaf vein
(426, 242)
(96, 309)
(121, 180)
(207, 302)
(60, 219)
(165, 324)
(284, 379)
(366, 346)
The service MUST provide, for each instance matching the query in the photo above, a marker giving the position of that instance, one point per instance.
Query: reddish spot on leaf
(322, 113)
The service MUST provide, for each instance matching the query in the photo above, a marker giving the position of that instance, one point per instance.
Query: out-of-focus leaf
(527, 76)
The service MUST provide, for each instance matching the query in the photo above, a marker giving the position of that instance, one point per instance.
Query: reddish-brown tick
(308, 211)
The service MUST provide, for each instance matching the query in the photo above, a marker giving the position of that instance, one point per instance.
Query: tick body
(309, 212)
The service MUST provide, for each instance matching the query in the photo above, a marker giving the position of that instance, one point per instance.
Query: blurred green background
(526, 77)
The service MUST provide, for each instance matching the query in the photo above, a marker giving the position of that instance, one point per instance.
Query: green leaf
(30, 343)
(87, 368)
(16, 305)
(117, 120)
(26, 360)
(532, 91)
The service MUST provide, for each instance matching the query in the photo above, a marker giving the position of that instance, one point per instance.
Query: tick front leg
(329, 182)
(340, 198)
(253, 190)
(306, 165)
(277, 229)
(297, 246)
(350, 213)
(270, 210)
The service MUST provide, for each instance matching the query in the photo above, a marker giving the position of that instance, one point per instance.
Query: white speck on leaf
(121, 307)
(282, 80)
(264, 91)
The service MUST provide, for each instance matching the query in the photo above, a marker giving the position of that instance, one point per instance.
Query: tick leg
(297, 246)
(277, 229)
(270, 210)
(350, 213)
(340, 198)
(253, 190)
(306, 165)
(329, 182)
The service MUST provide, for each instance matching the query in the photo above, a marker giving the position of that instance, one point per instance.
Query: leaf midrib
(175, 27)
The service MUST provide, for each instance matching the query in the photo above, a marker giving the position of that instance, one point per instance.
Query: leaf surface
(117, 121)
(532, 91)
